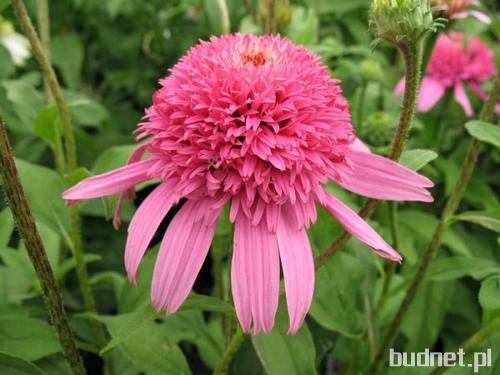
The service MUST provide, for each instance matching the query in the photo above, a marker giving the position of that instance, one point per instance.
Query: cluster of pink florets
(258, 119)
(455, 59)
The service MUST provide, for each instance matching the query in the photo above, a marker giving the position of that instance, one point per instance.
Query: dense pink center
(254, 117)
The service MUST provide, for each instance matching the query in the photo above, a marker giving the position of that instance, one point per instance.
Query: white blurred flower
(17, 45)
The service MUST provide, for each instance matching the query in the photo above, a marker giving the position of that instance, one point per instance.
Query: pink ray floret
(258, 123)
(454, 64)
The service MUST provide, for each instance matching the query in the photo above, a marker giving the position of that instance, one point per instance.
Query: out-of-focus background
(109, 56)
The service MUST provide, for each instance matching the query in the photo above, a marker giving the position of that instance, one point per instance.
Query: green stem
(36, 252)
(360, 107)
(231, 350)
(51, 78)
(42, 7)
(391, 268)
(475, 341)
(224, 16)
(71, 159)
(268, 16)
(411, 55)
(449, 210)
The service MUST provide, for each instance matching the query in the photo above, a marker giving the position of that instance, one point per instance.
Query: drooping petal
(298, 268)
(462, 99)
(255, 274)
(145, 223)
(359, 145)
(359, 228)
(430, 92)
(182, 252)
(109, 183)
(377, 177)
(484, 18)
(134, 158)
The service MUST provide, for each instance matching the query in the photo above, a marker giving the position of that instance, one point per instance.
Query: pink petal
(145, 223)
(359, 145)
(111, 182)
(134, 157)
(463, 100)
(298, 269)
(255, 274)
(182, 252)
(484, 18)
(400, 87)
(430, 92)
(381, 178)
(359, 228)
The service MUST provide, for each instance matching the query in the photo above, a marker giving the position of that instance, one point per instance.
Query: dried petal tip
(402, 21)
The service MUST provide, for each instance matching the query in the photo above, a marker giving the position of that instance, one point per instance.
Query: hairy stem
(71, 159)
(42, 9)
(411, 55)
(51, 78)
(449, 210)
(231, 350)
(36, 252)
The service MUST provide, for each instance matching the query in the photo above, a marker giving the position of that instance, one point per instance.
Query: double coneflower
(256, 123)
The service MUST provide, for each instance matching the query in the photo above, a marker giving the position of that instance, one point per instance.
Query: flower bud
(371, 70)
(378, 129)
(401, 21)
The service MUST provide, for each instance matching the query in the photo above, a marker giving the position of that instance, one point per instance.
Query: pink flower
(459, 9)
(453, 64)
(258, 123)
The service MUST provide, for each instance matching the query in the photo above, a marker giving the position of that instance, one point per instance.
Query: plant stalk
(36, 252)
(71, 161)
(231, 350)
(437, 238)
(42, 9)
(224, 16)
(413, 62)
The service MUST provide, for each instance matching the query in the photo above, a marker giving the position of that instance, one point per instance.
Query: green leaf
(334, 302)
(76, 176)
(304, 26)
(145, 342)
(6, 64)
(27, 338)
(43, 188)
(48, 125)
(24, 103)
(489, 294)
(13, 365)
(488, 219)
(206, 303)
(67, 56)
(455, 267)
(484, 131)
(417, 158)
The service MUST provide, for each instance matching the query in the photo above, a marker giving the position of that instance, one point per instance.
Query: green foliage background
(109, 56)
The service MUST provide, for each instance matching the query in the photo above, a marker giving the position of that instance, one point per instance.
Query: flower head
(457, 9)
(455, 62)
(401, 21)
(258, 123)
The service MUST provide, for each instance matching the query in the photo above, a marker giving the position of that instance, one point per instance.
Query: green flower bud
(402, 21)
(371, 70)
(378, 129)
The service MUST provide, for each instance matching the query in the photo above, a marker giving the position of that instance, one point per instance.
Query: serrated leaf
(484, 131)
(417, 158)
